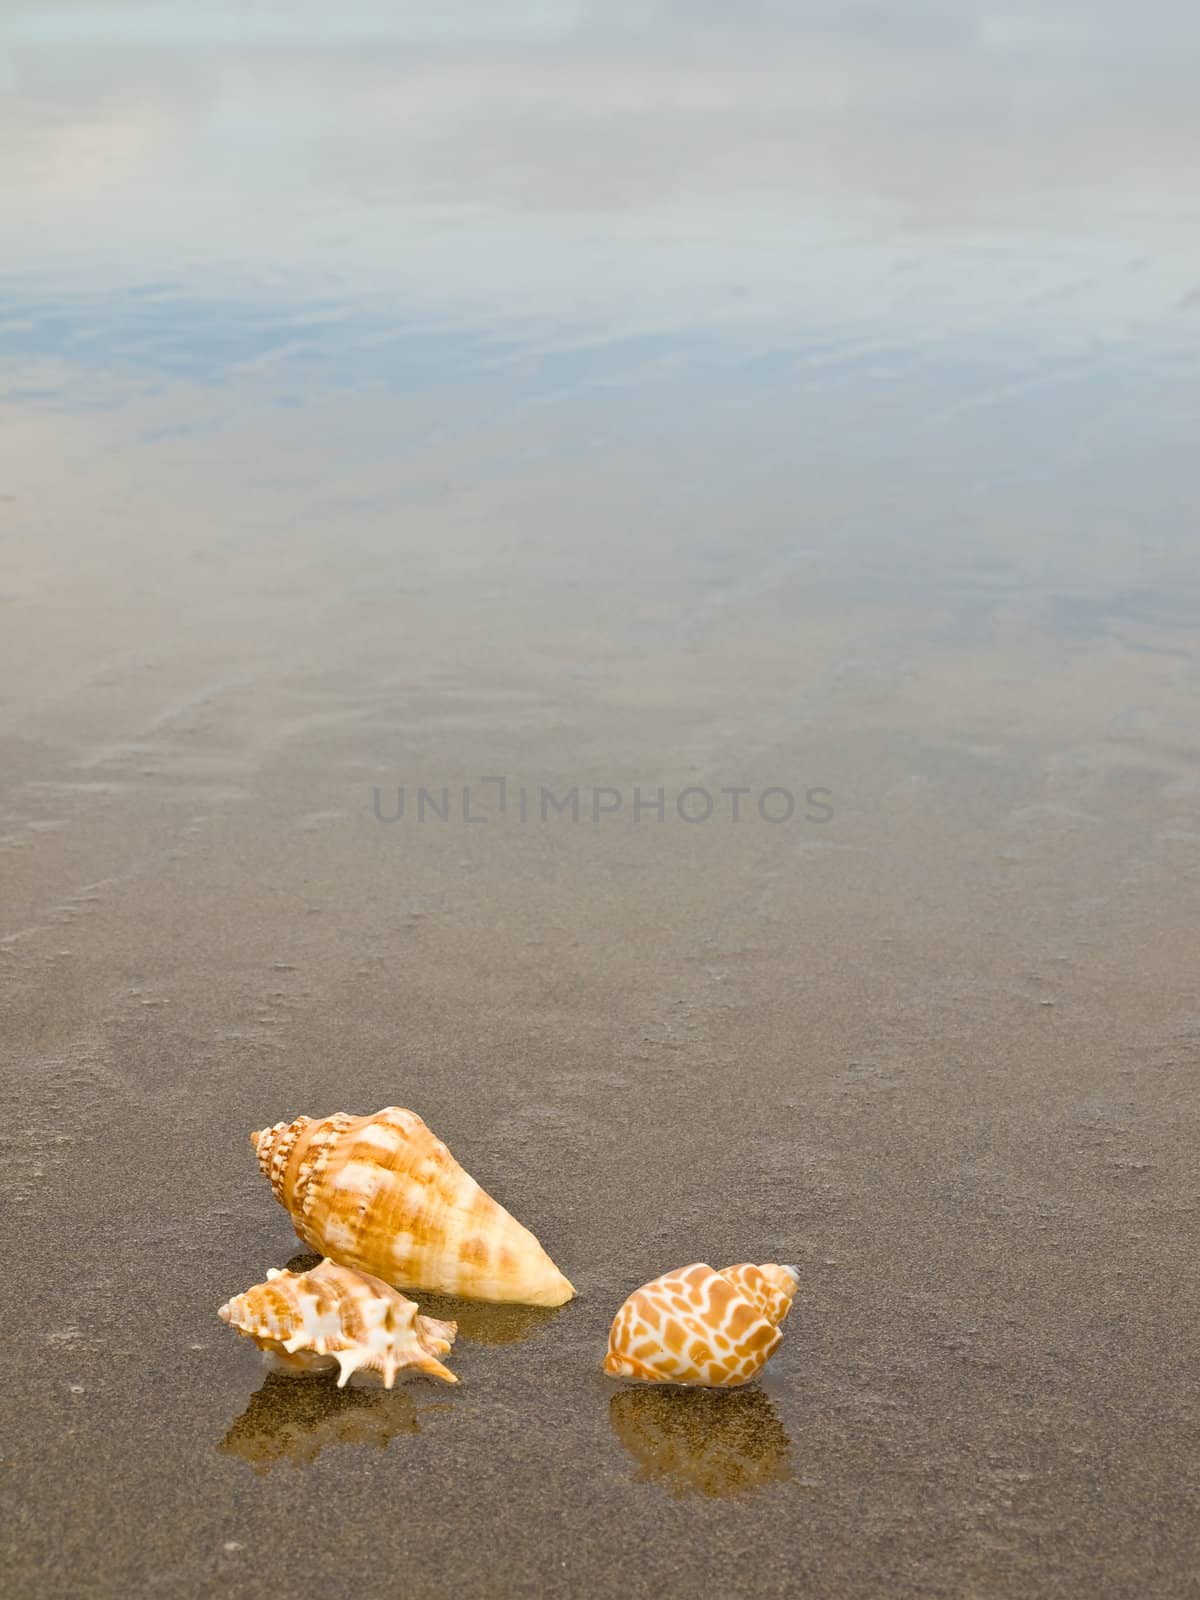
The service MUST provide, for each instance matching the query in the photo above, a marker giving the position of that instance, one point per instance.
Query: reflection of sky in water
(998, 385)
(834, 233)
(658, 148)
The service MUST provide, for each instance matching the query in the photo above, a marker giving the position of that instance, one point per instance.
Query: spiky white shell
(334, 1315)
(383, 1194)
(697, 1326)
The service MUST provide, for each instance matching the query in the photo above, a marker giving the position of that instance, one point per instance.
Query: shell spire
(273, 1147)
(383, 1194)
(769, 1287)
(310, 1320)
(697, 1326)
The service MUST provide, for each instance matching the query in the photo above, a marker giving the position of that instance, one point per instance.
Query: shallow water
(607, 401)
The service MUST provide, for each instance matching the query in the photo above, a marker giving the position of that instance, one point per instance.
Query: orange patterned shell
(697, 1326)
(310, 1320)
(384, 1194)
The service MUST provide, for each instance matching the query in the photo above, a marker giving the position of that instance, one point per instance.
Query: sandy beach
(683, 670)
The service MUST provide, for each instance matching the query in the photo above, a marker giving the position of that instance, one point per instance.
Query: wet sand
(921, 560)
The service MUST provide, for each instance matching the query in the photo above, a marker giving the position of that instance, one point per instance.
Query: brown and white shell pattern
(383, 1194)
(698, 1326)
(335, 1315)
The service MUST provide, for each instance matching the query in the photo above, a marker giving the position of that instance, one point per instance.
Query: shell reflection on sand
(292, 1419)
(702, 1441)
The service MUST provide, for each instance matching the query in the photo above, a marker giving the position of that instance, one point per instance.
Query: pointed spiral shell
(333, 1314)
(697, 1326)
(383, 1194)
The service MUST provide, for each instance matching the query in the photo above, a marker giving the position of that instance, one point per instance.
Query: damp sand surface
(760, 521)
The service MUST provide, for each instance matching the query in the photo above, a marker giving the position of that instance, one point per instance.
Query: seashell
(697, 1326)
(383, 1194)
(332, 1314)
(769, 1287)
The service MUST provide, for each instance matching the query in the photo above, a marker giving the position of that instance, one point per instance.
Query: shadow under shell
(702, 1441)
(291, 1418)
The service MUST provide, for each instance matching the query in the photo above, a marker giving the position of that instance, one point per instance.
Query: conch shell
(384, 1194)
(333, 1314)
(702, 1327)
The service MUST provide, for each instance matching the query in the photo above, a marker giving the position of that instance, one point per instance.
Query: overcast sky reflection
(508, 173)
